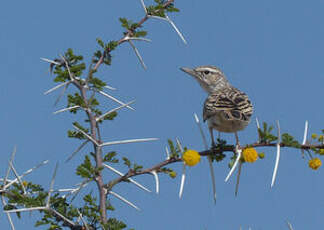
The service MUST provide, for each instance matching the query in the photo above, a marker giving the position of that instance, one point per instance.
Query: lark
(226, 109)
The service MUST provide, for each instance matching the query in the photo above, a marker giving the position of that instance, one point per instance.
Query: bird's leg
(212, 137)
(237, 141)
(240, 164)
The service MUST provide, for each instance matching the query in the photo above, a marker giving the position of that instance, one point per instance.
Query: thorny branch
(129, 33)
(94, 125)
(227, 148)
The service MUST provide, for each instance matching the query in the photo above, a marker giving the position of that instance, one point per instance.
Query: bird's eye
(206, 72)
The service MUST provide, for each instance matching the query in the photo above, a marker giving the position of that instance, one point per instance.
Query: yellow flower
(191, 157)
(25, 183)
(314, 135)
(315, 163)
(250, 155)
(321, 151)
(321, 137)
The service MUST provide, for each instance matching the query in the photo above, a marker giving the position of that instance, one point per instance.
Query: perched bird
(226, 108)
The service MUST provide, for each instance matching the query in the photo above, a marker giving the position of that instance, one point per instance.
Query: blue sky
(271, 50)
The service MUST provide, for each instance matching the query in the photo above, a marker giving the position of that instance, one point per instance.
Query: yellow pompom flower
(321, 152)
(250, 155)
(191, 157)
(315, 163)
(314, 136)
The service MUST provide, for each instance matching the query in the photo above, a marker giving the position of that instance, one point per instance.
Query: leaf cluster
(105, 52)
(265, 135)
(289, 140)
(159, 9)
(73, 62)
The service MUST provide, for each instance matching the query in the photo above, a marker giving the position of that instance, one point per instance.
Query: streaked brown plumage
(226, 109)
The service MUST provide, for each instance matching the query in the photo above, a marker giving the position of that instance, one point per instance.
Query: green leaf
(100, 42)
(289, 140)
(86, 170)
(110, 157)
(127, 162)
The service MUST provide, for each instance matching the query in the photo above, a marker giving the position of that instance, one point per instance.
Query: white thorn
(66, 109)
(87, 135)
(61, 94)
(60, 215)
(277, 157)
(114, 110)
(51, 187)
(289, 225)
(114, 99)
(305, 132)
(201, 131)
(25, 173)
(157, 184)
(78, 189)
(124, 200)
(143, 5)
(128, 141)
(179, 145)
(130, 179)
(77, 150)
(137, 54)
(137, 38)
(176, 29)
(8, 214)
(11, 160)
(83, 221)
(239, 153)
(68, 68)
(258, 126)
(25, 209)
(109, 87)
(172, 24)
(158, 17)
(183, 178)
(50, 61)
(167, 153)
(212, 174)
(57, 87)
(17, 176)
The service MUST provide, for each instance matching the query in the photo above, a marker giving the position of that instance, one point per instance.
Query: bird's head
(210, 78)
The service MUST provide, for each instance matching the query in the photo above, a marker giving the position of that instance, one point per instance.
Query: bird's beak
(189, 71)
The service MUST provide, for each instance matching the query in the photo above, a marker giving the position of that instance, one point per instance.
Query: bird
(226, 109)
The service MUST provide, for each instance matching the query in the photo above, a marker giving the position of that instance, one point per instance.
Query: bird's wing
(231, 103)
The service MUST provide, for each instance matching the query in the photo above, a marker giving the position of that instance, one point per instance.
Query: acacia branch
(129, 33)
(210, 152)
